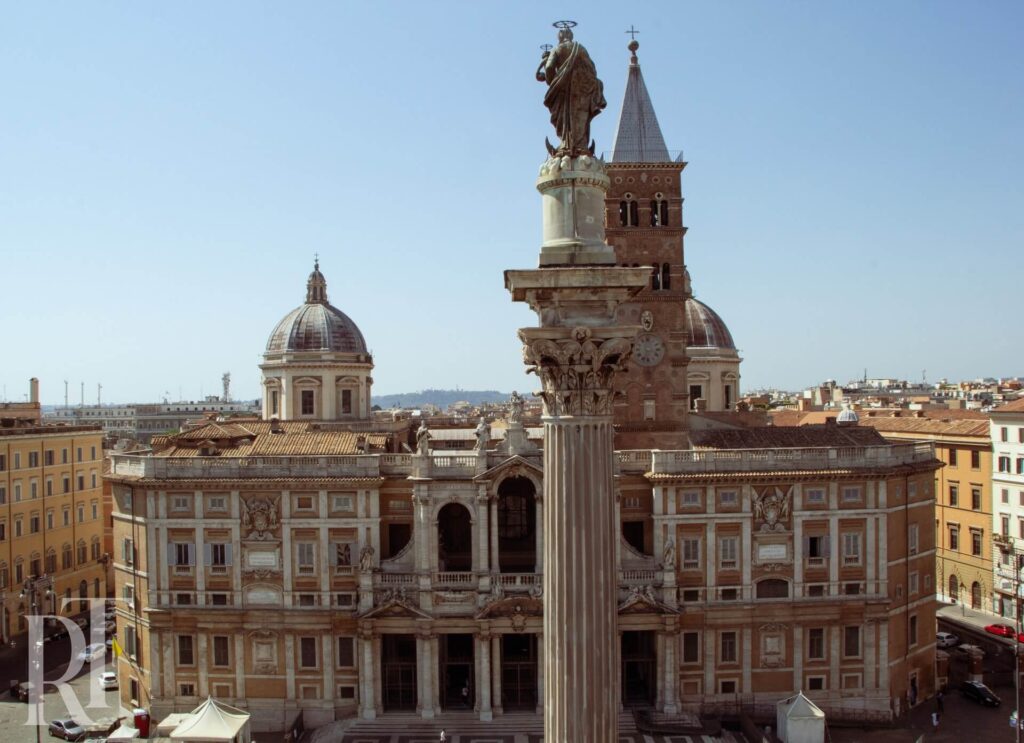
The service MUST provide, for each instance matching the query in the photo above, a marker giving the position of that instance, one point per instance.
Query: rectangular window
(78, 453)
(727, 687)
(691, 553)
(219, 503)
(273, 402)
(81, 482)
(346, 652)
(3, 462)
(690, 498)
(92, 452)
(1005, 524)
(308, 400)
(182, 554)
(220, 555)
(817, 548)
(186, 690)
(727, 550)
(219, 599)
(1004, 463)
(976, 499)
(307, 655)
(691, 647)
(3, 494)
(131, 645)
(48, 457)
(1004, 434)
(346, 401)
(954, 495)
(815, 495)
(851, 494)
(341, 503)
(33, 459)
(815, 683)
(913, 629)
(952, 457)
(1005, 495)
(913, 584)
(975, 459)
(66, 484)
(180, 503)
(976, 535)
(17, 460)
(305, 558)
(851, 548)
(727, 652)
(851, 642)
(912, 539)
(66, 514)
(954, 537)
(729, 498)
(221, 652)
(303, 503)
(128, 594)
(186, 657)
(816, 643)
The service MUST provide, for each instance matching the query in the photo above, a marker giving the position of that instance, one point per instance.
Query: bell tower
(644, 223)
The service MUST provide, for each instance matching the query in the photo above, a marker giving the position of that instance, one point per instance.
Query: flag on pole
(115, 647)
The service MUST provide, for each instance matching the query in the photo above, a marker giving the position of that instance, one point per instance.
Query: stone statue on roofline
(515, 408)
(423, 439)
(483, 435)
(575, 95)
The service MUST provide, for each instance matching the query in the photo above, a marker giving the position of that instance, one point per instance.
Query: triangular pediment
(512, 466)
(643, 602)
(512, 606)
(395, 608)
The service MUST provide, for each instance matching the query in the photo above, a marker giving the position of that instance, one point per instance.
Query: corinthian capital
(576, 366)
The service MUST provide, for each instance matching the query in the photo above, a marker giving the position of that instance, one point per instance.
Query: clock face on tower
(648, 349)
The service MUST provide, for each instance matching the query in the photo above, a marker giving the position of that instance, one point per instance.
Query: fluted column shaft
(581, 680)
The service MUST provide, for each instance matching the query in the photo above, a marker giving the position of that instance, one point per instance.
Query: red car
(1003, 630)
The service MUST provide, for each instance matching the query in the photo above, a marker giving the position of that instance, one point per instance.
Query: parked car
(946, 640)
(24, 690)
(67, 729)
(1003, 630)
(978, 692)
(108, 680)
(93, 652)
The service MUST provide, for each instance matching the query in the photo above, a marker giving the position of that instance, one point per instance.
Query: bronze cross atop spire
(632, 32)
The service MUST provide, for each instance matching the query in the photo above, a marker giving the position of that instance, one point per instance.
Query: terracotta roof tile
(1017, 406)
(255, 439)
(928, 426)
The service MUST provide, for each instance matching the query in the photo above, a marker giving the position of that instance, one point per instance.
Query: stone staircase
(464, 727)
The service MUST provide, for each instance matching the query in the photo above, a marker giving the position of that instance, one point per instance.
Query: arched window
(454, 538)
(517, 525)
(655, 214)
(954, 588)
(664, 213)
(772, 588)
(655, 279)
(975, 595)
(623, 213)
(666, 277)
(634, 214)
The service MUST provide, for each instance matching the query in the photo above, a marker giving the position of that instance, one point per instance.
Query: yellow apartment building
(51, 520)
(963, 502)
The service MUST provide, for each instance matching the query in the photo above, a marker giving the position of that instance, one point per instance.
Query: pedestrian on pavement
(938, 701)
(935, 721)
(443, 737)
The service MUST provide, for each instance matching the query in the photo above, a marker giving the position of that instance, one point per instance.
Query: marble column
(496, 674)
(575, 353)
(483, 676)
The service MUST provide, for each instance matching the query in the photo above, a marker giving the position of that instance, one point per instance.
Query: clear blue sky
(168, 170)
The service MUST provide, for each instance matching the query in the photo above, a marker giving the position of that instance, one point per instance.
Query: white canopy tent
(214, 722)
(799, 720)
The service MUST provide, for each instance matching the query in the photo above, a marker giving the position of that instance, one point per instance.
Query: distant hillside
(440, 398)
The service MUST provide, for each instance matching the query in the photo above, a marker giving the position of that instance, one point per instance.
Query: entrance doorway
(457, 687)
(454, 538)
(519, 672)
(398, 668)
(638, 669)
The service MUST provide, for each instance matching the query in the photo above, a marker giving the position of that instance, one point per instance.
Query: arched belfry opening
(454, 539)
(517, 526)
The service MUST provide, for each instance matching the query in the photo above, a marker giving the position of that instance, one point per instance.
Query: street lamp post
(31, 590)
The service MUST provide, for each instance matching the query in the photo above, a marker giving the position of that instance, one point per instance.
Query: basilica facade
(324, 561)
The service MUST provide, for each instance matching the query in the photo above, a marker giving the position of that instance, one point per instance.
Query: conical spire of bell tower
(316, 286)
(638, 137)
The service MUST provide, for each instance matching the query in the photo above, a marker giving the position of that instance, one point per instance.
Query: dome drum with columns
(316, 366)
(713, 374)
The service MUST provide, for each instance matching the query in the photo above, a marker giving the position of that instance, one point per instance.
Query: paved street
(14, 713)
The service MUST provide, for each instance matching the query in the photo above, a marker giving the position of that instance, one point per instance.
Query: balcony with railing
(697, 461)
(177, 468)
